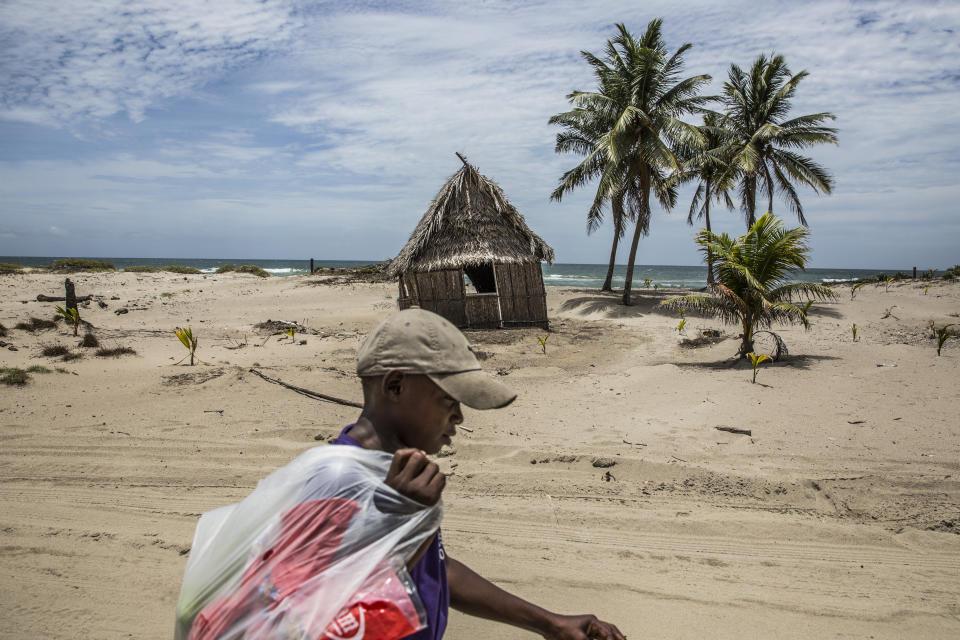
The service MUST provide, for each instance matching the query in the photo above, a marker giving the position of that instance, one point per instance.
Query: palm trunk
(608, 283)
(706, 216)
(746, 346)
(769, 180)
(642, 217)
(751, 198)
(617, 210)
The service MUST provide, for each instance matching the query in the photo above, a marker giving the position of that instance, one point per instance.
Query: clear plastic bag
(317, 551)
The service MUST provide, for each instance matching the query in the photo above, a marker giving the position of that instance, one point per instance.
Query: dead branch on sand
(308, 392)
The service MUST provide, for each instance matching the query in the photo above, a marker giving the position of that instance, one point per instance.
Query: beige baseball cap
(422, 342)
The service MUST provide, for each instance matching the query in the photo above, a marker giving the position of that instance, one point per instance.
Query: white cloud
(97, 58)
(314, 110)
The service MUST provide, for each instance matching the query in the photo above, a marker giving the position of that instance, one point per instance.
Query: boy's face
(427, 417)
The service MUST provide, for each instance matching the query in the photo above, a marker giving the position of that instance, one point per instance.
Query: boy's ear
(392, 385)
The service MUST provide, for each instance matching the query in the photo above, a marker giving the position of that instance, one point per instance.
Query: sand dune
(837, 517)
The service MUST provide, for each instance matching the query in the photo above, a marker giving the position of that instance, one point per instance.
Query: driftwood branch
(308, 392)
(743, 432)
(43, 298)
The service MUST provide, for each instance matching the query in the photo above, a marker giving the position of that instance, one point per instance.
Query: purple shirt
(429, 574)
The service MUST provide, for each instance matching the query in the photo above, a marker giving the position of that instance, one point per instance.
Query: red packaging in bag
(323, 568)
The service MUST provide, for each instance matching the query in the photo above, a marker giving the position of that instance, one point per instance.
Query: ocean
(560, 275)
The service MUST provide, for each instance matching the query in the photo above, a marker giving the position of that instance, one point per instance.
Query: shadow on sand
(802, 362)
(609, 303)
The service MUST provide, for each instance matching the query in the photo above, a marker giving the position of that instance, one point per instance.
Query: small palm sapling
(188, 340)
(943, 334)
(853, 329)
(543, 343)
(756, 361)
(72, 316)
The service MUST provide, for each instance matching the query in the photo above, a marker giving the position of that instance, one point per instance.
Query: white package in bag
(317, 551)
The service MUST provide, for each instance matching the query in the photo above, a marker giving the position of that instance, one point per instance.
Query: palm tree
(637, 105)
(582, 129)
(712, 169)
(757, 105)
(753, 278)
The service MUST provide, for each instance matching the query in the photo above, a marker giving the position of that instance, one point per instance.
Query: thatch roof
(469, 222)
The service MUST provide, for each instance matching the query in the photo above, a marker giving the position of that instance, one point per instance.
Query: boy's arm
(477, 596)
(415, 476)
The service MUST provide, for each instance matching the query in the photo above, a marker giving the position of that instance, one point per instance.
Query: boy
(416, 369)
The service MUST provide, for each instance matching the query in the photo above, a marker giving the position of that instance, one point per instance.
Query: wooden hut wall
(483, 311)
(523, 299)
(439, 291)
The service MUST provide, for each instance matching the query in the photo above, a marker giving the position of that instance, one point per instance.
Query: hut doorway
(482, 308)
(482, 278)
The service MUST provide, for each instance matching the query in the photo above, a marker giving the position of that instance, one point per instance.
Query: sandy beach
(836, 517)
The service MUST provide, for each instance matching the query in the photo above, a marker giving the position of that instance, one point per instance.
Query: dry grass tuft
(89, 340)
(35, 324)
(54, 351)
(115, 352)
(14, 377)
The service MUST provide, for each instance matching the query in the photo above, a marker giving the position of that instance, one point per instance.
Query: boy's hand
(413, 475)
(586, 627)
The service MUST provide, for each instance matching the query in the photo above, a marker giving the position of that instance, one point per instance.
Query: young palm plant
(72, 316)
(753, 286)
(186, 337)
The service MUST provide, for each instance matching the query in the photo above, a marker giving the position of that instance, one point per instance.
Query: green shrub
(70, 265)
(9, 267)
(253, 269)
(14, 377)
(952, 272)
(89, 340)
(142, 268)
(247, 268)
(178, 268)
(114, 352)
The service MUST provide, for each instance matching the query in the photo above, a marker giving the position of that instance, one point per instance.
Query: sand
(837, 517)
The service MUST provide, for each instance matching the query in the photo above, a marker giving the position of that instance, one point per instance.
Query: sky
(295, 129)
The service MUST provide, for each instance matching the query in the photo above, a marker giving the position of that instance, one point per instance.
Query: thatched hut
(472, 230)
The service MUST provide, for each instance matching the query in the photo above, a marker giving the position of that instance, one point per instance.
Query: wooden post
(71, 295)
(914, 273)
(311, 265)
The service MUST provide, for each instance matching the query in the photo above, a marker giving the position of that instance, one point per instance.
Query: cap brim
(475, 389)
